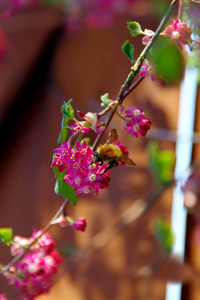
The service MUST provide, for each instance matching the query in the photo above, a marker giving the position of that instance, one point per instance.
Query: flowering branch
(125, 88)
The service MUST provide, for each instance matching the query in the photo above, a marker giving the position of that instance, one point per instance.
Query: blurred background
(50, 53)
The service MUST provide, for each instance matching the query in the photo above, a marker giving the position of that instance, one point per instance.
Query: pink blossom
(136, 122)
(92, 121)
(79, 224)
(79, 128)
(79, 172)
(34, 275)
(3, 297)
(147, 68)
(179, 32)
(148, 36)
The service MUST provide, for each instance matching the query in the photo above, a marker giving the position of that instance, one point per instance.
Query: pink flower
(34, 275)
(92, 121)
(148, 36)
(179, 32)
(79, 128)
(79, 172)
(136, 123)
(3, 297)
(147, 68)
(79, 224)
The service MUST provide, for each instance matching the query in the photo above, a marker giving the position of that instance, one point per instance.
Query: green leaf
(63, 187)
(6, 235)
(168, 60)
(104, 99)
(63, 135)
(68, 113)
(67, 109)
(164, 235)
(128, 49)
(161, 163)
(134, 28)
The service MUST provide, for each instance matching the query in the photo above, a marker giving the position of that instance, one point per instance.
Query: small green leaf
(128, 49)
(104, 99)
(134, 28)
(68, 113)
(67, 109)
(6, 235)
(164, 235)
(63, 187)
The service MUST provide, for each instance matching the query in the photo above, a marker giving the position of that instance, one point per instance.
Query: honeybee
(110, 153)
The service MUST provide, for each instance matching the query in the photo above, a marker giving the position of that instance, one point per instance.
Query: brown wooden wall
(44, 67)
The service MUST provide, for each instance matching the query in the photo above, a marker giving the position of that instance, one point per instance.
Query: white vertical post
(183, 156)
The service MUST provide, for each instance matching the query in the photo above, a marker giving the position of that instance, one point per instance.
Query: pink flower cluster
(179, 32)
(136, 122)
(34, 275)
(79, 172)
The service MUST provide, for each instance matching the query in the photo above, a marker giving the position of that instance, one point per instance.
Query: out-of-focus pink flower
(94, 14)
(136, 122)
(147, 68)
(79, 128)
(34, 275)
(3, 297)
(92, 121)
(179, 32)
(4, 44)
(148, 36)
(79, 172)
(191, 190)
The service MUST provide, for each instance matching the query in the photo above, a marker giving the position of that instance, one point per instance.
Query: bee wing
(113, 137)
(127, 160)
